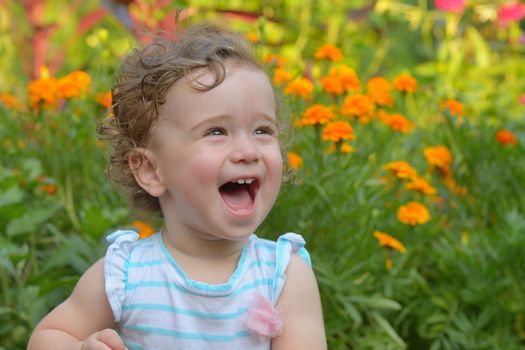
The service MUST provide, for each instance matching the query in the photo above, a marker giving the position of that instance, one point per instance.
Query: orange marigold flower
(348, 77)
(405, 83)
(11, 102)
(300, 87)
(333, 85)
(419, 184)
(104, 99)
(295, 160)
(252, 37)
(439, 157)
(281, 75)
(329, 52)
(388, 263)
(43, 91)
(387, 241)
(73, 84)
(358, 106)
(413, 213)
(453, 186)
(378, 89)
(274, 59)
(337, 131)
(506, 137)
(401, 170)
(455, 108)
(48, 188)
(346, 148)
(397, 122)
(317, 114)
(143, 229)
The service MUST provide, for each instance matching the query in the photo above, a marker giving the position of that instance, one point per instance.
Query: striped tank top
(158, 307)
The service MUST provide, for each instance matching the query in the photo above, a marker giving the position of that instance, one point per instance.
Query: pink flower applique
(263, 320)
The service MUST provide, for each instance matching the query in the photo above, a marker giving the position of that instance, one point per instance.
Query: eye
(266, 130)
(216, 131)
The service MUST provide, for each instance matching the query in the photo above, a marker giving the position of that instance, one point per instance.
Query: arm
(300, 305)
(84, 321)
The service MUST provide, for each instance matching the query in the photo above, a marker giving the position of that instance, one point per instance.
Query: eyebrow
(220, 118)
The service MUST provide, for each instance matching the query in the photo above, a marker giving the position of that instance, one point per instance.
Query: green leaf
(376, 302)
(12, 195)
(30, 221)
(387, 328)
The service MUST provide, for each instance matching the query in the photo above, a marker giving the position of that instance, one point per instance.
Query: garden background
(407, 155)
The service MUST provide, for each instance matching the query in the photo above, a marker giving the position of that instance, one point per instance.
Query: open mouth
(239, 195)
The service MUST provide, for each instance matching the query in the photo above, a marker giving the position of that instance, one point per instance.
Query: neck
(201, 247)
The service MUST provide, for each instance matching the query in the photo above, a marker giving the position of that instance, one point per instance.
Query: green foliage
(460, 283)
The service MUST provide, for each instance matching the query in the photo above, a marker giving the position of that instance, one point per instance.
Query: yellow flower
(300, 87)
(281, 75)
(401, 170)
(413, 213)
(405, 83)
(439, 157)
(144, 230)
(295, 160)
(316, 114)
(378, 89)
(387, 241)
(329, 52)
(337, 131)
(358, 106)
(419, 184)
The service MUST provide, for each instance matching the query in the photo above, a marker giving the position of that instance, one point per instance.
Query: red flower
(511, 12)
(450, 5)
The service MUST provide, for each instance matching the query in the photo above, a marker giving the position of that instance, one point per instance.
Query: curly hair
(144, 78)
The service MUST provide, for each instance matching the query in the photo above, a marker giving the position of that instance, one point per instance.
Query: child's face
(206, 144)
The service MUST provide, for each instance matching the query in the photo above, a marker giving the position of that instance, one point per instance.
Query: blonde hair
(142, 83)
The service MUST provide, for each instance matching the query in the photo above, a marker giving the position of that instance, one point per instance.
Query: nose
(244, 150)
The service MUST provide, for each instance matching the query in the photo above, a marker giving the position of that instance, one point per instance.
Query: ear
(144, 167)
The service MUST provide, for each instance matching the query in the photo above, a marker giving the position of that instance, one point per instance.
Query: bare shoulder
(300, 305)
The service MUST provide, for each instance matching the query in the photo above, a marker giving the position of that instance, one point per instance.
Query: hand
(107, 339)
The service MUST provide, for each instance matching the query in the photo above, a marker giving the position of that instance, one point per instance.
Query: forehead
(245, 88)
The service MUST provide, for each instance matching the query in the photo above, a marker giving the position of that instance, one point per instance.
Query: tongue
(236, 196)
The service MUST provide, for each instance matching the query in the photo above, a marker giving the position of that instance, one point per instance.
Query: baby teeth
(244, 181)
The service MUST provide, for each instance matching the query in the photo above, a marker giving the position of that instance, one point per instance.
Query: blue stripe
(173, 285)
(214, 288)
(147, 263)
(270, 246)
(141, 264)
(133, 346)
(175, 310)
(279, 270)
(187, 335)
(261, 263)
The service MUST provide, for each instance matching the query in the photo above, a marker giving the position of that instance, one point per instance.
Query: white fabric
(158, 307)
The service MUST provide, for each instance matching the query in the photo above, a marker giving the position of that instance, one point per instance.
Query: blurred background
(406, 146)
